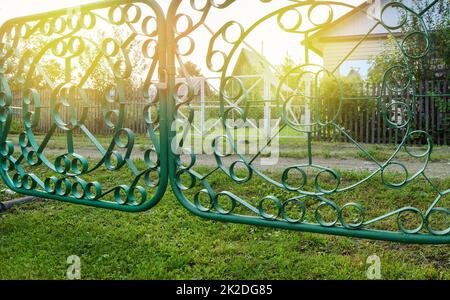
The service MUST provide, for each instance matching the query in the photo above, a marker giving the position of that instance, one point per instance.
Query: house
(251, 66)
(334, 42)
(250, 63)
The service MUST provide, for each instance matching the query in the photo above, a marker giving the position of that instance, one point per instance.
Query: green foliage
(288, 64)
(51, 69)
(25, 53)
(437, 62)
(443, 106)
(390, 56)
(102, 76)
(437, 16)
(16, 127)
(191, 68)
(331, 88)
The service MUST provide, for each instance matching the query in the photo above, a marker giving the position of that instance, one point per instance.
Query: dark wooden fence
(366, 123)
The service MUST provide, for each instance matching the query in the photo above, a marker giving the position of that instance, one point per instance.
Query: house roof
(258, 64)
(315, 41)
(320, 32)
(252, 59)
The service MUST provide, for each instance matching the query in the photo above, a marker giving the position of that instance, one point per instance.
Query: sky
(275, 45)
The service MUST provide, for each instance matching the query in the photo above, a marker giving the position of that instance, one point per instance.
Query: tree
(435, 65)
(103, 76)
(436, 62)
(191, 68)
(51, 69)
(288, 64)
(21, 59)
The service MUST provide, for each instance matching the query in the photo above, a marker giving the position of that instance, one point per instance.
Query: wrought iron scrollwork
(301, 198)
(74, 42)
(294, 204)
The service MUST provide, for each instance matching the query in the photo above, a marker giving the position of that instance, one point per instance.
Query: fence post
(203, 106)
(267, 106)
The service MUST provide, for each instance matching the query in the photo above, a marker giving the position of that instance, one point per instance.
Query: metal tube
(4, 206)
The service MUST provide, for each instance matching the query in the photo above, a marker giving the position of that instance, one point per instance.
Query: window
(359, 66)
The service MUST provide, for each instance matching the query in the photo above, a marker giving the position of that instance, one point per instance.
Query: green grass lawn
(169, 243)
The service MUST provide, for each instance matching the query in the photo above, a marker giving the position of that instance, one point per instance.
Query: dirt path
(434, 170)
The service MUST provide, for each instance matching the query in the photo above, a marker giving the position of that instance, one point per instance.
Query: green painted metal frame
(170, 166)
(62, 28)
(258, 216)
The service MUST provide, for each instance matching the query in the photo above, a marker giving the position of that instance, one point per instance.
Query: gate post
(308, 95)
(267, 106)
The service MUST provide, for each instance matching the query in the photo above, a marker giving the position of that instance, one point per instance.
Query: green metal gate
(144, 28)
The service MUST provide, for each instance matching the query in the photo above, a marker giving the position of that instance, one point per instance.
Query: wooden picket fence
(95, 121)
